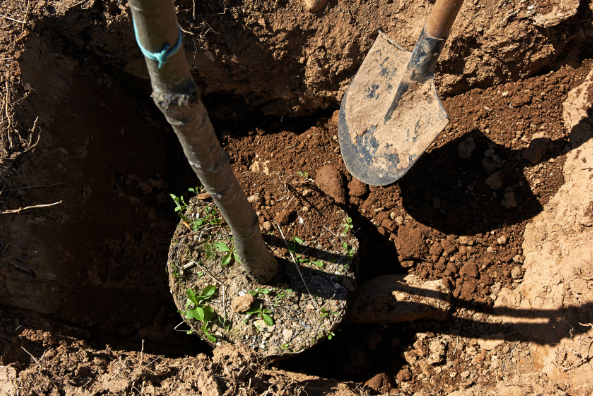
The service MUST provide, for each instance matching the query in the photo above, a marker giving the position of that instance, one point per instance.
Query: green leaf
(268, 320)
(222, 247)
(210, 337)
(208, 291)
(207, 314)
(197, 313)
(254, 309)
(265, 291)
(192, 296)
(345, 245)
(318, 263)
(253, 293)
(187, 220)
(226, 259)
(237, 258)
(298, 240)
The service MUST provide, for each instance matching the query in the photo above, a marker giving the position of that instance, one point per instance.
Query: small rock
(436, 249)
(516, 273)
(470, 269)
(488, 153)
(307, 192)
(357, 188)
(287, 334)
(488, 165)
(305, 208)
(479, 358)
(388, 224)
(380, 383)
(335, 120)
(285, 217)
(243, 303)
(494, 181)
(314, 5)
(466, 241)
(204, 196)
(399, 220)
(518, 258)
(331, 182)
(267, 226)
(260, 324)
(407, 264)
(466, 147)
(448, 247)
(465, 374)
(501, 240)
(253, 198)
(537, 148)
(437, 352)
(509, 200)
(392, 215)
(404, 375)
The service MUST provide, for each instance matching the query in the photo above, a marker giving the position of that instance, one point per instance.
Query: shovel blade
(389, 115)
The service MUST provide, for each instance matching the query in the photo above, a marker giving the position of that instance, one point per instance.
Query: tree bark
(177, 96)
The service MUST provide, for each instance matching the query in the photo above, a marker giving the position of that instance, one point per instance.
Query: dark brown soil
(77, 127)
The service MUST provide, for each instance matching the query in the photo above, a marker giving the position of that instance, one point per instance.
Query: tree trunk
(177, 96)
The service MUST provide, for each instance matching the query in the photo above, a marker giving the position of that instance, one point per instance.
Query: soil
(309, 235)
(86, 305)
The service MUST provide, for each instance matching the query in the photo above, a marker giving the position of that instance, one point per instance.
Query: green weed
(230, 254)
(258, 310)
(200, 311)
(347, 226)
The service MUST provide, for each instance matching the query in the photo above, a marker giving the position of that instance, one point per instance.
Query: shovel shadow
(453, 195)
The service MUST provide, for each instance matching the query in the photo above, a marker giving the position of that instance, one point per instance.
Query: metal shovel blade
(391, 112)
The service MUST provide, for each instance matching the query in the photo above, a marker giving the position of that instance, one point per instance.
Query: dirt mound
(281, 59)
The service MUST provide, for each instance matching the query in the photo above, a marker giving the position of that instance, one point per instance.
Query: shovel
(391, 112)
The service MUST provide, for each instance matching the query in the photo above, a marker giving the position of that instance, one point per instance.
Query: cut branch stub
(177, 96)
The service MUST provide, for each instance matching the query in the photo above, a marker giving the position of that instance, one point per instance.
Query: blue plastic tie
(162, 56)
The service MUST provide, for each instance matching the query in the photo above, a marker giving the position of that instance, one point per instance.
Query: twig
(29, 353)
(31, 187)
(14, 20)
(142, 352)
(19, 210)
(77, 4)
(297, 267)
(331, 232)
(207, 272)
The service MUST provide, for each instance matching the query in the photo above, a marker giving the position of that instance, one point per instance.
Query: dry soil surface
(498, 211)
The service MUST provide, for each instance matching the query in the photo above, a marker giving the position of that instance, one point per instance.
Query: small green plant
(194, 190)
(257, 292)
(349, 251)
(325, 313)
(230, 254)
(292, 245)
(347, 226)
(175, 271)
(224, 323)
(180, 206)
(330, 335)
(303, 174)
(200, 311)
(281, 295)
(258, 310)
(286, 347)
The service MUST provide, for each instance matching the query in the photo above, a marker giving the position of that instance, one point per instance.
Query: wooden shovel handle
(442, 17)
